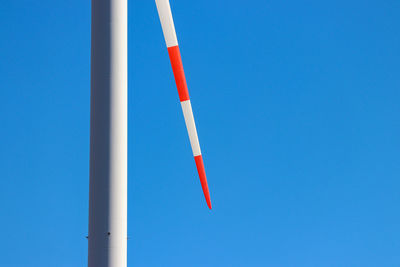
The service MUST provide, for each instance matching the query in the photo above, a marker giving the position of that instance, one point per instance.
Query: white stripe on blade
(167, 23)
(191, 127)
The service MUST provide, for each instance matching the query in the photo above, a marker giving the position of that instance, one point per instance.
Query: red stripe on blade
(203, 178)
(177, 68)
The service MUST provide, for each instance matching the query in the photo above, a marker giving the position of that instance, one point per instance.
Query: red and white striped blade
(167, 23)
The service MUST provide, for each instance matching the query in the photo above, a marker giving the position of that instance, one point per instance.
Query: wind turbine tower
(108, 135)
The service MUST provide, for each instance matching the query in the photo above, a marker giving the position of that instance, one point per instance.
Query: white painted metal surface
(167, 23)
(191, 127)
(108, 135)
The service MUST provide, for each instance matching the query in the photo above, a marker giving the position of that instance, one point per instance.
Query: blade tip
(208, 200)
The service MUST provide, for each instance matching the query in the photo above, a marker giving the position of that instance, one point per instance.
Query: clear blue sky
(297, 109)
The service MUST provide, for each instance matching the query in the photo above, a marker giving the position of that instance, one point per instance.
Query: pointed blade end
(203, 179)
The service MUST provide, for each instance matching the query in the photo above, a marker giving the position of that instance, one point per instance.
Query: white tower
(108, 135)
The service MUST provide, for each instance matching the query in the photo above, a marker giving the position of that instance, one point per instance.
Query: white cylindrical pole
(108, 135)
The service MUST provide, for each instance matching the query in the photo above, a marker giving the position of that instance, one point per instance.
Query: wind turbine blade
(167, 23)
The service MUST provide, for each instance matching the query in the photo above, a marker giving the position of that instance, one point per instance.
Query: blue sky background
(297, 109)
